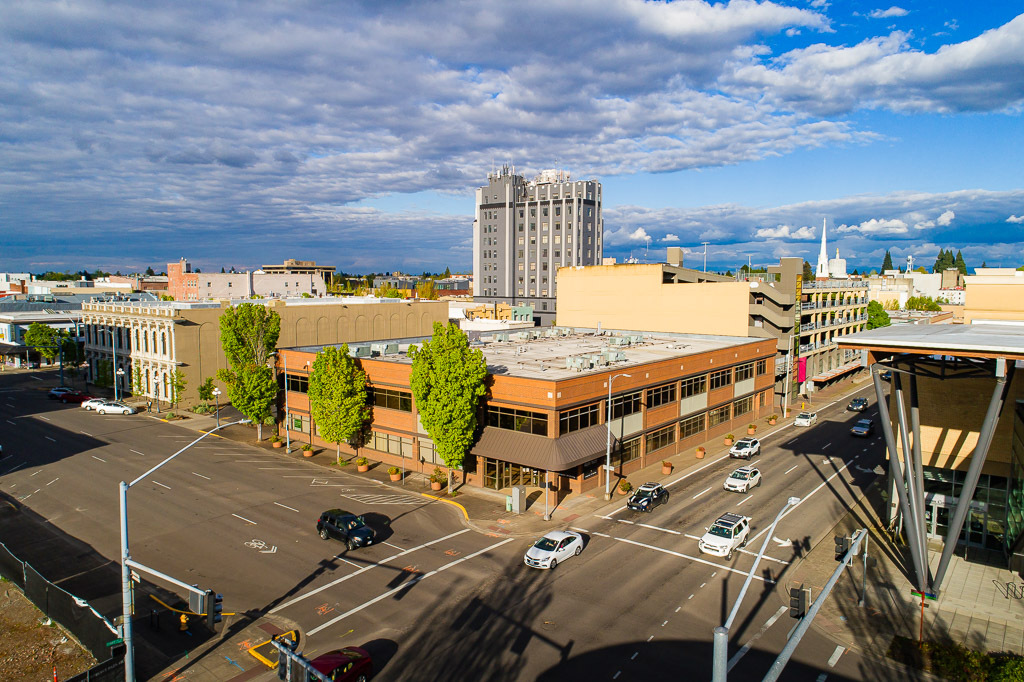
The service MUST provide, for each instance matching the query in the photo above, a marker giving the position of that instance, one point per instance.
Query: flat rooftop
(965, 340)
(556, 353)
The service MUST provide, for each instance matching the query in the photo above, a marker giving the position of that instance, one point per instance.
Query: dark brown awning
(539, 452)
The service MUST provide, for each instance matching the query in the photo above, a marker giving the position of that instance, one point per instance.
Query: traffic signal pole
(805, 623)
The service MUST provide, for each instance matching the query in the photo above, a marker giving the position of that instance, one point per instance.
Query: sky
(133, 134)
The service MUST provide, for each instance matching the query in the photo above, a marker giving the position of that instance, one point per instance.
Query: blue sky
(354, 133)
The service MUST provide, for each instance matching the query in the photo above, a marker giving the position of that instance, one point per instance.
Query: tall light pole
(705, 255)
(608, 448)
(216, 397)
(721, 633)
(117, 380)
(126, 572)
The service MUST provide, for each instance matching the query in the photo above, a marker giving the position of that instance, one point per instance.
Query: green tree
(447, 382)
(959, 263)
(104, 374)
(808, 272)
(248, 335)
(425, 289)
(922, 303)
(149, 271)
(205, 390)
(388, 292)
(887, 263)
(46, 339)
(877, 317)
(447, 272)
(177, 386)
(138, 382)
(337, 397)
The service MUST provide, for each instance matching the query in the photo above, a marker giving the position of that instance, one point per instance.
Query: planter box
(700, 454)
(362, 468)
(666, 470)
(277, 444)
(395, 477)
(435, 485)
(307, 453)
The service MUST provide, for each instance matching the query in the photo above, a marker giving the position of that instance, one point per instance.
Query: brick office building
(547, 402)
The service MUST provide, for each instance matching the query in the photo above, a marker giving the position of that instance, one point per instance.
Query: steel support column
(897, 473)
(978, 457)
(916, 519)
(917, 475)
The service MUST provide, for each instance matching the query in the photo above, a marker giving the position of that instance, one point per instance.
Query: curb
(441, 499)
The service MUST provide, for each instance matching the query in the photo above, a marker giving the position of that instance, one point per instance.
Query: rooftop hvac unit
(501, 336)
(620, 341)
(613, 355)
(635, 338)
(520, 336)
(598, 359)
(359, 351)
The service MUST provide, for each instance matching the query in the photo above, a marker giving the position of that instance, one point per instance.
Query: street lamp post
(721, 633)
(216, 397)
(117, 380)
(608, 447)
(126, 572)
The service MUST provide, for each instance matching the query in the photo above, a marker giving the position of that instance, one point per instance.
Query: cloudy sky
(354, 133)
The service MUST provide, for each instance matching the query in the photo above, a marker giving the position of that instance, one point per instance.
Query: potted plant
(772, 419)
(437, 478)
(307, 450)
(666, 468)
(362, 465)
(751, 428)
(729, 438)
(700, 452)
(624, 487)
(275, 441)
(395, 473)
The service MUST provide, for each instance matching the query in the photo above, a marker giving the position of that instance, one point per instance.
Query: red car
(75, 397)
(350, 664)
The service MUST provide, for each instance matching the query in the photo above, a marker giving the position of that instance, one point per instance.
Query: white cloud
(1015, 219)
(785, 232)
(946, 218)
(670, 238)
(876, 226)
(625, 235)
(886, 13)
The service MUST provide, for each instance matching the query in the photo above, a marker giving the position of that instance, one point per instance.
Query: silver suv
(726, 534)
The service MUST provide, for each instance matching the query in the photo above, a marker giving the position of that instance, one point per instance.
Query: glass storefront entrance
(985, 525)
(498, 474)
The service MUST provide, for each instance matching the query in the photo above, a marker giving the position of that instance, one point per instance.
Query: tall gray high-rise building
(525, 230)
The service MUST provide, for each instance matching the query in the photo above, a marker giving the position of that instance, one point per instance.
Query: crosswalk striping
(384, 499)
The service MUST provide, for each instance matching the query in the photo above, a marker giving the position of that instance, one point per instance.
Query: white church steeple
(822, 271)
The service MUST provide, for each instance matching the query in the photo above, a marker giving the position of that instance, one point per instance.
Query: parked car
(349, 664)
(725, 535)
(806, 419)
(75, 397)
(556, 546)
(115, 407)
(647, 497)
(745, 448)
(863, 428)
(743, 479)
(858, 405)
(886, 375)
(93, 403)
(345, 526)
(55, 393)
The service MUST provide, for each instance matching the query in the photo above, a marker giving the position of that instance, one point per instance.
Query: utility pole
(705, 255)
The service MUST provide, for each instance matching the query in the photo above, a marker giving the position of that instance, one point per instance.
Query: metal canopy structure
(946, 353)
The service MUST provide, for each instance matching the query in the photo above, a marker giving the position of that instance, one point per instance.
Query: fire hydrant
(184, 623)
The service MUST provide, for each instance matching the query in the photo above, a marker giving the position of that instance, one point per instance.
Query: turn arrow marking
(269, 551)
(783, 543)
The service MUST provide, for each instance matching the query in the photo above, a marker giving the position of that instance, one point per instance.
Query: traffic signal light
(214, 607)
(798, 599)
(842, 546)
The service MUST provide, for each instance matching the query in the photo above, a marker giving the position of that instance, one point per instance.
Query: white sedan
(93, 403)
(806, 419)
(558, 545)
(114, 407)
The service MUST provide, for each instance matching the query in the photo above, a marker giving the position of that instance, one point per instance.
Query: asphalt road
(435, 597)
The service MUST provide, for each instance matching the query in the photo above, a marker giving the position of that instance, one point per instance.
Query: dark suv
(345, 526)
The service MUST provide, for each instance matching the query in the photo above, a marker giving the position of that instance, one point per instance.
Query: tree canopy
(337, 396)
(922, 303)
(49, 341)
(248, 335)
(887, 262)
(877, 317)
(425, 289)
(447, 382)
(808, 271)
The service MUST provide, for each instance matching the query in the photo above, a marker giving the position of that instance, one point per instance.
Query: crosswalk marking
(384, 499)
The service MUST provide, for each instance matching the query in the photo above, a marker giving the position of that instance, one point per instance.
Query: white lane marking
(237, 516)
(366, 568)
(44, 418)
(678, 608)
(137, 452)
(802, 500)
(604, 535)
(33, 376)
(15, 468)
(616, 675)
(400, 549)
(765, 557)
(681, 478)
(750, 642)
(689, 598)
(82, 432)
(692, 537)
(406, 585)
(579, 530)
(826, 446)
(94, 457)
(54, 440)
(663, 530)
(664, 624)
(350, 563)
(37, 472)
(650, 638)
(287, 507)
(745, 499)
(635, 654)
(790, 469)
(625, 521)
(10, 422)
(701, 493)
(201, 476)
(53, 481)
(835, 656)
(703, 584)
(691, 558)
(792, 441)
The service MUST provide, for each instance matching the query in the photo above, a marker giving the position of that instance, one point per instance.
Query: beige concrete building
(994, 295)
(184, 284)
(152, 340)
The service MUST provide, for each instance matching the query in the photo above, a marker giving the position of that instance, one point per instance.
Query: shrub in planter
(395, 473)
(624, 486)
(437, 478)
(666, 467)
(362, 464)
(729, 438)
(307, 450)
(773, 418)
(751, 429)
(275, 438)
(700, 452)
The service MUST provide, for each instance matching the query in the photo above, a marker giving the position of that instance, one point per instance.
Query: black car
(886, 375)
(345, 526)
(647, 497)
(858, 405)
(863, 428)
